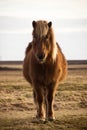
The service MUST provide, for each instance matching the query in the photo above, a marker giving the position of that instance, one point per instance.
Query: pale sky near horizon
(14, 13)
(44, 8)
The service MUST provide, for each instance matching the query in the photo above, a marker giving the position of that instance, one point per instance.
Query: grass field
(17, 109)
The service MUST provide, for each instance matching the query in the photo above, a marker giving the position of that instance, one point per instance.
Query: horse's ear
(34, 24)
(49, 24)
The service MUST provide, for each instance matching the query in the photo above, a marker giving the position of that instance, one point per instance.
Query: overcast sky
(69, 18)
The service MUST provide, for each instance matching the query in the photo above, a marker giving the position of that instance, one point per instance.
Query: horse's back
(62, 63)
(27, 62)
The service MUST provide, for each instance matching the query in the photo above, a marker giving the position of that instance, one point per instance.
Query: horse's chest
(45, 73)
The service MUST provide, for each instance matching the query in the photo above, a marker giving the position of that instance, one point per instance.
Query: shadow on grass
(64, 123)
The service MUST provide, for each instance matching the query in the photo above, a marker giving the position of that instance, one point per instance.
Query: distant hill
(77, 62)
(21, 62)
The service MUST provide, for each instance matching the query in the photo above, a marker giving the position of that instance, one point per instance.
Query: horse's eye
(46, 37)
(35, 37)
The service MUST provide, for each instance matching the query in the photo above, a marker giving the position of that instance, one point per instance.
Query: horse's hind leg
(35, 101)
(35, 98)
(39, 98)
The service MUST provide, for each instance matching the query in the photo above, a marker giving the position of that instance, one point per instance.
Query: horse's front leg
(50, 96)
(40, 102)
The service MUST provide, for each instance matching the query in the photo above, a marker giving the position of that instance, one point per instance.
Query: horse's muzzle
(41, 57)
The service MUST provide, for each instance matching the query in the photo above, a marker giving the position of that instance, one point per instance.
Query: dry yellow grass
(17, 110)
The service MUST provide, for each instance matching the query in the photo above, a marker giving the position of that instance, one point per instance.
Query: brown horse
(44, 67)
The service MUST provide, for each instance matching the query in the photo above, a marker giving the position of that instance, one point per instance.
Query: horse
(44, 67)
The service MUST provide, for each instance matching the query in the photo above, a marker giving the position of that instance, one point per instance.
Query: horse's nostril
(41, 57)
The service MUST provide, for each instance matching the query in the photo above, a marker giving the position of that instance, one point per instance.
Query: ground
(17, 109)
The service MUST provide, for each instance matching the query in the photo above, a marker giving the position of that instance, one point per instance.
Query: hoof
(39, 120)
(51, 118)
